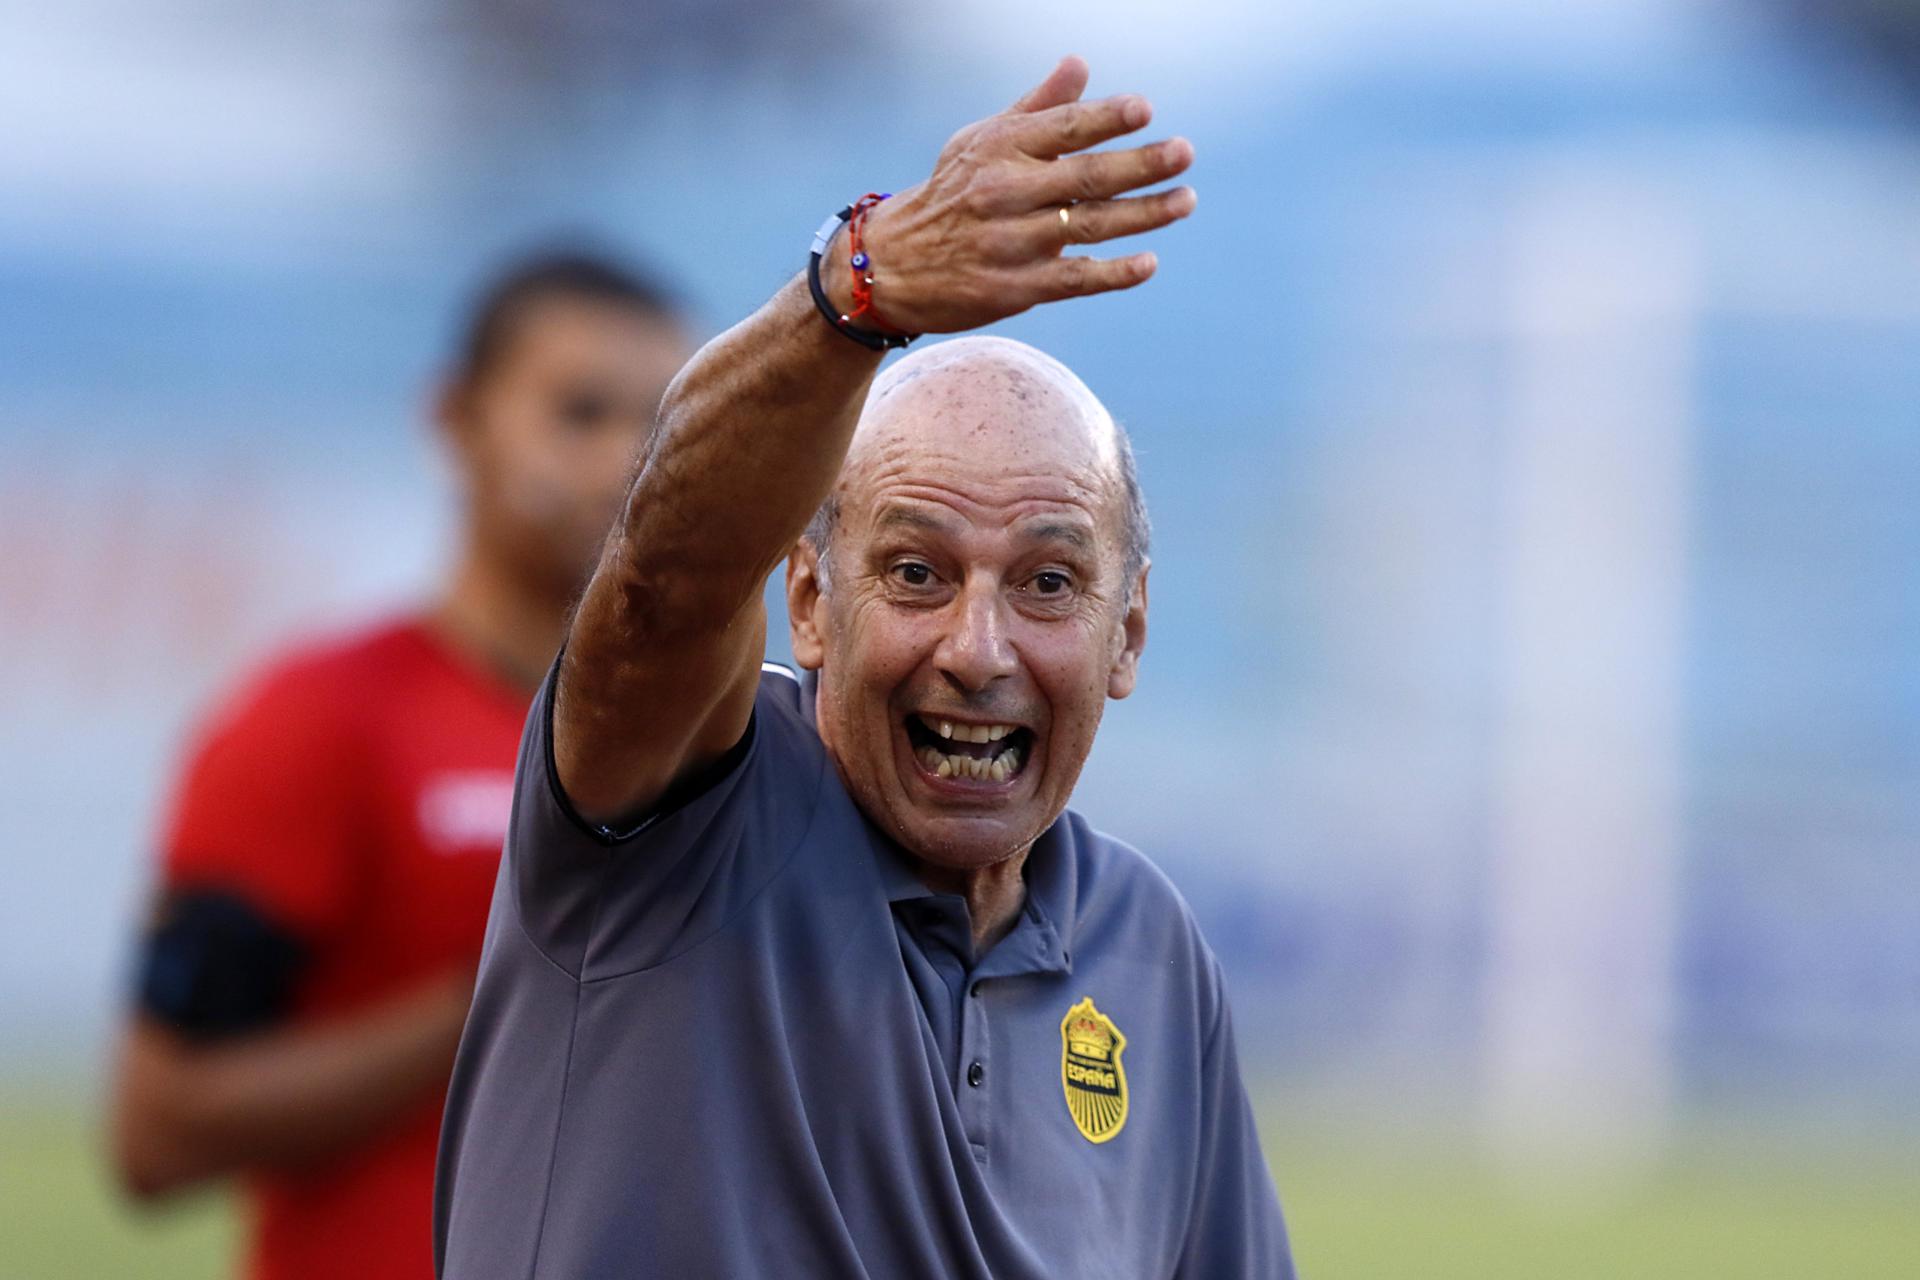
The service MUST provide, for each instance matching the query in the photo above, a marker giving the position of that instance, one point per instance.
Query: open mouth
(980, 752)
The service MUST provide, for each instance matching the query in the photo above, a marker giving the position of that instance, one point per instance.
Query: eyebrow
(911, 518)
(1069, 532)
(1074, 535)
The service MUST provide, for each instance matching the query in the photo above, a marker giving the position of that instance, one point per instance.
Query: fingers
(1077, 277)
(1064, 84)
(1092, 222)
(981, 239)
(1105, 174)
(1075, 126)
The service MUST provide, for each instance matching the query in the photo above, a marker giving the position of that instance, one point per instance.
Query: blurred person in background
(332, 847)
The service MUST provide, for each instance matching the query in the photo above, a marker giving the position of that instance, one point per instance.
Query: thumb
(1064, 84)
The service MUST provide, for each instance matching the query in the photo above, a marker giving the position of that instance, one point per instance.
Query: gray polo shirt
(745, 1040)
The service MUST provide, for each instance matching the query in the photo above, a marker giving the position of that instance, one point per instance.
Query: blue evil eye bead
(859, 262)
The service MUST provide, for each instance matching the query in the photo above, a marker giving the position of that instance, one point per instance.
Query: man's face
(545, 437)
(976, 617)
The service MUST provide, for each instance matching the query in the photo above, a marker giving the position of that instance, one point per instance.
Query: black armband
(214, 965)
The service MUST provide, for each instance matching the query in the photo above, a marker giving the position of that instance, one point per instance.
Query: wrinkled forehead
(983, 411)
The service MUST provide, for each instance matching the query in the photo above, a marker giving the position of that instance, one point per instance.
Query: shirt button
(976, 989)
(975, 1074)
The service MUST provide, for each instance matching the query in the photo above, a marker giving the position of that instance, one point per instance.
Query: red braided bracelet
(863, 265)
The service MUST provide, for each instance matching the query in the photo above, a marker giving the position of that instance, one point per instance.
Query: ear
(452, 413)
(806, 606)
(1133, 640)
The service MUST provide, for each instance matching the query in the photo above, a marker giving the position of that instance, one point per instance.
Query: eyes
(584, 411)
(918, 577)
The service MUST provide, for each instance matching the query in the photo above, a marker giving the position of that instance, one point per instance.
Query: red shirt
(356, 792)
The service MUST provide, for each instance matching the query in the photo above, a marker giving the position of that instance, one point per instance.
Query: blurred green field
(1374, 1208)
(61, 1220)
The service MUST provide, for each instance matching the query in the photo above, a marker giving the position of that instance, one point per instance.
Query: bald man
(816, 975)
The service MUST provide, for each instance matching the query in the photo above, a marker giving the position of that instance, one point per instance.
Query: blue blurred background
(1532, 709)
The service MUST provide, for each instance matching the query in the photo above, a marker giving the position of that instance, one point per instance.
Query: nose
(976, 650)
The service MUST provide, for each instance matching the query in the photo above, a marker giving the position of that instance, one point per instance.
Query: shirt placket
(977, 1076)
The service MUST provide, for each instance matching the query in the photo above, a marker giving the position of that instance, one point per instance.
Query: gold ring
(1066, 222)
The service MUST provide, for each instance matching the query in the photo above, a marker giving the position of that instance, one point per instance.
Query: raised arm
(663, 655)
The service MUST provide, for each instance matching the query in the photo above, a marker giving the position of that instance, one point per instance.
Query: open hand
(984, 236)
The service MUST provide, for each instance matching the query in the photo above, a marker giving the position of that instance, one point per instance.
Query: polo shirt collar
(1053, 882)
(1033, 945)
(1041, 939)
(897, 874)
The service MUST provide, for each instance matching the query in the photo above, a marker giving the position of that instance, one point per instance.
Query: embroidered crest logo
(1091, 1073)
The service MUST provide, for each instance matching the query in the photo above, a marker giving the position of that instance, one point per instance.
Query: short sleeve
(1236, 1231)
(600, 902)
(269, 808)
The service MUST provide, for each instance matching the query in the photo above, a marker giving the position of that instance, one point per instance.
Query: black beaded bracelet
(868, 338)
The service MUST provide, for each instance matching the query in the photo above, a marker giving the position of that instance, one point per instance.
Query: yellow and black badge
(1090, 1070)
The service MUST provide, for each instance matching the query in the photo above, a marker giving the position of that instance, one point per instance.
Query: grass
(61, 1219)
(1365, 1207)
(1704, 1213)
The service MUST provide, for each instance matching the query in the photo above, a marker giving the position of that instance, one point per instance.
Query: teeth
(995, 768)
(969, 732)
